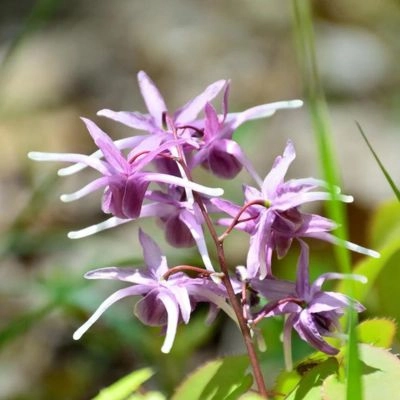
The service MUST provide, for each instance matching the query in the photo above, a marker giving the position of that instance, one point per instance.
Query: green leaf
(385, 227)
(222, 379)
(147, 396)
(287, 381)
(383, 169)
(124, 387)
(309, 387)
(378, 331)
(380, 376)
(251, 396)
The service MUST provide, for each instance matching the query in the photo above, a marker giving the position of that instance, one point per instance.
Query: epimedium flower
(153, 122)
(218, 152)
(166, 301)
(312, 312)
(123, 178)
(272, 215)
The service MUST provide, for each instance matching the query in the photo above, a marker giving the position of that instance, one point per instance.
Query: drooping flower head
(165, 301)
(312, 312)
(272, 217)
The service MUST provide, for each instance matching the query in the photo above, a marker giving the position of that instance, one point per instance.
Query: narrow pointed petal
(182, 298)
(190, 110)
(279, 169)
(111, 153)
(152, 97)
(154, 259)
(120, 144)
(261, 111)
(172, 324)
(317, 285)
(134, 120)
(303, 275)
(197, 233)
(132, 275)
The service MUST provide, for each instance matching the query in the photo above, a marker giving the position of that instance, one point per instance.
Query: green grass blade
(383, 169)
(305, 42)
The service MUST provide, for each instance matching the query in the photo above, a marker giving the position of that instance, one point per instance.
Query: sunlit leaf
(124, 387)
(380, 376)
(378, 331)
(222, 379)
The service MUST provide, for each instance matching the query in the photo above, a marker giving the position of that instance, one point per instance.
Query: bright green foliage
(123, 388)
(380, 376)
(222, 379)
(305, 380)
(378, 332)
(385, 227)
(251, 396)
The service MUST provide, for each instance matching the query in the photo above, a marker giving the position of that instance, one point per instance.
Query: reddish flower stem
(236, 221)
(225, 278)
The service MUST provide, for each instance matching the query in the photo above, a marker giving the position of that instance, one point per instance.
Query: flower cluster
(150, 175)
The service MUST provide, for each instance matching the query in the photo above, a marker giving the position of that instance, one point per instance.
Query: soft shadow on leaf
(222, 379)
(291, 383)
(380, 376)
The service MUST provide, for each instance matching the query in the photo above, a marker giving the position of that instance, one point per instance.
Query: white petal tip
(374, 254)
(65, 198)
(77, 335)
(37, 156)
(73, 235)
(295, 103)
(165, 349)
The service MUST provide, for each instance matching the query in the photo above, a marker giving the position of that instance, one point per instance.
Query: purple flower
(273, 219)
(164, 302)
(312, 312)
(123, 178)
(154, 122)
(218, 152)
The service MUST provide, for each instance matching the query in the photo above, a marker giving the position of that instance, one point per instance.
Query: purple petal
(134, 120)
(279, 169)
(154, 259)
(172, 324)
(191, 109)
(151, 310)
(132, 275)
(317, 285)
(224, 158)
(177, 232)
(274, 289)
(124, 196)
(182, 298)
(111, 153)
(303, 277)
(308, 331)
(211, 124)
(152, 97)
(328, 301)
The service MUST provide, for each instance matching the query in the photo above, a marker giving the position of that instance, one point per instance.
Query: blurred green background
(60, 60)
